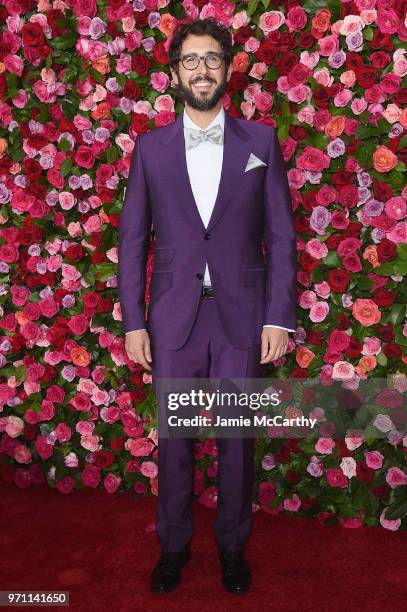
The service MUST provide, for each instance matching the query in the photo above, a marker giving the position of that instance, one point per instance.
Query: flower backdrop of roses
(79, 79)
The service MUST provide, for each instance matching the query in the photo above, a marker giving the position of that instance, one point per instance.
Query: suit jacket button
(208, 236)
(199, 275)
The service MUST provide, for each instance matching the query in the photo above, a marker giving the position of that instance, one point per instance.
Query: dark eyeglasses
(212, 60)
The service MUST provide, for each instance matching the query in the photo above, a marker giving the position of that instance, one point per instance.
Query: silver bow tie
(193, 137)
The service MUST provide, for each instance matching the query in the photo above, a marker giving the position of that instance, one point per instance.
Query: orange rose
(103, 111)
(366, 312)
(240, 62)
(167, 24)
(368, 362)
(384, 160)
(304, 356)
(335, 126)
(3, 146)
(80, 356)
(370, 254)
(321, 20)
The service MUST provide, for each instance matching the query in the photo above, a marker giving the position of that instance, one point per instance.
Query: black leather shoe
(236, 574)
(166, 575)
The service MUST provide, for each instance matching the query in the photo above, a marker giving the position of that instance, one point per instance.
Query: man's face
(203, 87)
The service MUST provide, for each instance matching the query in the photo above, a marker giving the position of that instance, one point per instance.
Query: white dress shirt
(204, 164)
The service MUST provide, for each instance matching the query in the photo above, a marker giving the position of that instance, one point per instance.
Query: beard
(203, 101)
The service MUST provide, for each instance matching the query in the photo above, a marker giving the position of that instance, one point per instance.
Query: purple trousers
(207, 353)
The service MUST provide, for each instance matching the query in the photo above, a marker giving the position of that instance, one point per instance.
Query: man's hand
(137, 345)
(274, 342)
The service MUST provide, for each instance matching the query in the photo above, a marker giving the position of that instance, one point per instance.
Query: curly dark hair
(200, 27)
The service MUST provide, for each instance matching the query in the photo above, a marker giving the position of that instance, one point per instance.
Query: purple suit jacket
(251, 289)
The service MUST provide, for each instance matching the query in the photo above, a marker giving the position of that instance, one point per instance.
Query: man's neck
(203, 118)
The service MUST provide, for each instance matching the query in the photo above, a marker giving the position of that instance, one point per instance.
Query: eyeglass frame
(202, 57)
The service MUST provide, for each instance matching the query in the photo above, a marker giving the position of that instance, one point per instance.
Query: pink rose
(396, 477)
(22, 454)
(91, 476)
(296, 19)
(348, 466)
(14, 64)
(353, 440)
(343, 370)
(49, 307)
(63, 432)
(325, 446)
(111, 483)
(271, 20)
(293, 504)
(65, 485)
(149, 469)
(374, 459)
(313, 159)
(42, 447)
(336, 478)
(141, 447)
(319, 311)
(19, 295)
(392, 524)
(78, 324)
(14, 426)
(159, 81)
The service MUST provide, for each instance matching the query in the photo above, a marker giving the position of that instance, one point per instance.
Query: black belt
(208, 291)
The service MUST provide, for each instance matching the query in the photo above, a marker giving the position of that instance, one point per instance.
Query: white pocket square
(254, 162)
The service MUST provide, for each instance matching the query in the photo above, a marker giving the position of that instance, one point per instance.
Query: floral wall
(79, 80)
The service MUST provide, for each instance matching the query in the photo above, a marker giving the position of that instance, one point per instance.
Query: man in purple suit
(213, 187)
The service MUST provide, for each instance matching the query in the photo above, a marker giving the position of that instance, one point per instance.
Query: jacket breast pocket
(162, 259)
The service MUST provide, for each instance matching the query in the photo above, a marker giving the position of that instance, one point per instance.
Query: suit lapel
(237, 147)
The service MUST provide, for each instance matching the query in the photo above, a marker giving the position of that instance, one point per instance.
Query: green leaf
(397, 313)
(66, 166)
(252, 6)
(111, 155)
(64, 42)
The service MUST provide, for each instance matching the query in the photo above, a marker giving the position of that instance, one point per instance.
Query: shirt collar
(219, 119)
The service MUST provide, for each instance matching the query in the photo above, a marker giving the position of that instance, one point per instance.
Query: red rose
(139, 122)
(86, 8)
(242, 35)
(354, 349)
(131, 90)
(37, 141)
(338, 280)
(379, 59)
(141, 64)
(9, 253)
(392, 351)
(160, 54)
(32, 35)
(75, 252)
(307, 262)
(366, 76)
(385, 332)
(238, 81)
(266, 52)
(321, 98)
(386, 250)
(117, 443)
(383, 297)
(84, 157)
(348, 196)
(32, 168)
(91, 299)
(103, 458)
